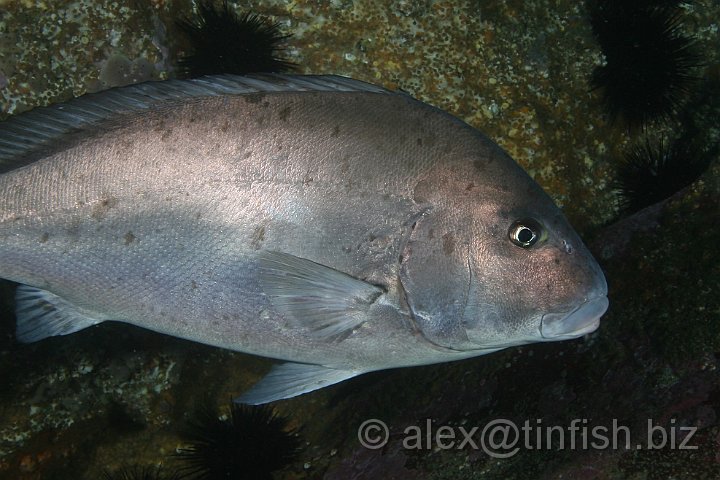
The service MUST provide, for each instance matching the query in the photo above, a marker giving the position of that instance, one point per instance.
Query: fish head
(495, 263)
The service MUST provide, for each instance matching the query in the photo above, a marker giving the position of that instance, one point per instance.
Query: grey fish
(322, 221)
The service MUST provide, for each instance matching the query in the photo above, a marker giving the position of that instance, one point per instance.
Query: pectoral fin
(41, 314)
(327, 302)
(291, 379)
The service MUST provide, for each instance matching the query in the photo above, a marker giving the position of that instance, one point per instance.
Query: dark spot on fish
(335, 131)
(431, 234)
(193, 285)
(418, 142)
(448, 243)
(470, 186)
(44, 237)
(124, 144)
(284, 113)
(100, 210)
(225, 126)
(166, 134)
(254, 97)
(423, 191)
(129, 238)
(258, 237)
(198, 215)
(557, 261)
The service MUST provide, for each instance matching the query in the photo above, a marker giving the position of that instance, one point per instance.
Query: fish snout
(584, 319)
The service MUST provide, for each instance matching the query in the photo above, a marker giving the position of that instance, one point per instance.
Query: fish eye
(526, 232)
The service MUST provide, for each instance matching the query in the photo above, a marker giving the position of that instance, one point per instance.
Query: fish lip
(584, 319)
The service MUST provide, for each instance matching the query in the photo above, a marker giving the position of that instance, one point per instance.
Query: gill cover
(436, 278)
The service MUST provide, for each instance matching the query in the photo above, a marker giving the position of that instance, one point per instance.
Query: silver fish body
(318, 220)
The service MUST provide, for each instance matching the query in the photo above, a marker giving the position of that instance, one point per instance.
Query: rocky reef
(114, 395)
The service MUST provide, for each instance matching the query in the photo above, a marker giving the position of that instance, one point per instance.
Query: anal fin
(41, 314)
(292, 379)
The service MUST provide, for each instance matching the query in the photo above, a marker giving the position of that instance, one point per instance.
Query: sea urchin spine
(250, 444)
(649, 63)
(223, 42)
(654, 172)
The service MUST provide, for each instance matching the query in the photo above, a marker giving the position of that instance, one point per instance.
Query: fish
(332, 224)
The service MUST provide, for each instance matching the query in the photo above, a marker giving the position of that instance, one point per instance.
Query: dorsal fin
(31, 131)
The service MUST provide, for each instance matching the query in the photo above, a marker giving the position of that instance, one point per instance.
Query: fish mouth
(576, 323)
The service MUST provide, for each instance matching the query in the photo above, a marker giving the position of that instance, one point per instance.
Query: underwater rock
(118, 71)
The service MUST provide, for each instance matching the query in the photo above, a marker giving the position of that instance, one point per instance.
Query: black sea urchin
(223, 42)
(141, 473)
(253, 442)
(654, 172)
(649, 63)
